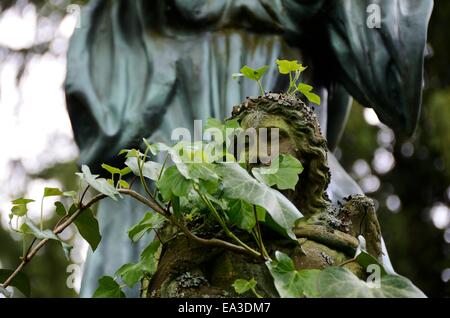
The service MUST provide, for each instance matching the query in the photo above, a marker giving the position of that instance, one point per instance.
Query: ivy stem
(256, 294)
(291, 83)
(347, 262)
(224, 226)
(140, 166)
(259, 235)
(260, 87)
(161, 172)
(149, 202)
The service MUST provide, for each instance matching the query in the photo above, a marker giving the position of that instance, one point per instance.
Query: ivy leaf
(260, 214)
(123, 184)
(131, 153)
(72, 194)
(283, 172)
(150, 169)
(131, 274)
(73, 208)
(60, 209)
(30, 228)
(21, 201)
(227, 128)
(20, 206)
(291, 283)
(88, 227)
(173, 183)
(176, 207)
(365, 259)
(108, 288)
(306, 90)
(204, 174)
(156, 148)
(111, 169)
(238, 184)
(204, 171)
(149, 222)
(242, 215)
(150, 254)
(339, 282)
(253, 74)
(286, 67)
(125, 171)
(21, 281)
(19, 210)
(51, 192)
(242, 286)
(99, 184)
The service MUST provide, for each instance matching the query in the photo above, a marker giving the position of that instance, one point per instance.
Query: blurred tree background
(408, 177)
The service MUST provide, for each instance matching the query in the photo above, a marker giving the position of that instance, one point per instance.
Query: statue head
(300, 136)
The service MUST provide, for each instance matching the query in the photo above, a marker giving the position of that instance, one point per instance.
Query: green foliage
(151, 221)
(200, 186)
(306, 90)
(51, 192)
(60, 209)
(110, 169)
(253, 74)
(365, 259)
(20, 206)
(242, 215)
(291, 283)
(283, 172)
(241, 286)
(336, 282)
(131, 274)
(339, 282)
(150, 169)
(173, 184)
(108, 288)
(239, 184)
(89, 229)
(30, 228)
(99, 184)
(285, 67)
(21, 201)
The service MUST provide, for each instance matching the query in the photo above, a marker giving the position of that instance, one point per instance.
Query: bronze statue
(142, 68)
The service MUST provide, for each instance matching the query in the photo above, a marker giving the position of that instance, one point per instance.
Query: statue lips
(383, 66)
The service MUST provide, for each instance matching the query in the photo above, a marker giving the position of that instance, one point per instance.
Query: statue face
(285, 140)
(299, 136)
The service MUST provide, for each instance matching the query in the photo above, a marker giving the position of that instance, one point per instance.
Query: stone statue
(301, 137)
(327, 235)
(142, 68)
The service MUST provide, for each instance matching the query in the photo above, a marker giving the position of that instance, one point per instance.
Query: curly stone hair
(310, 146)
